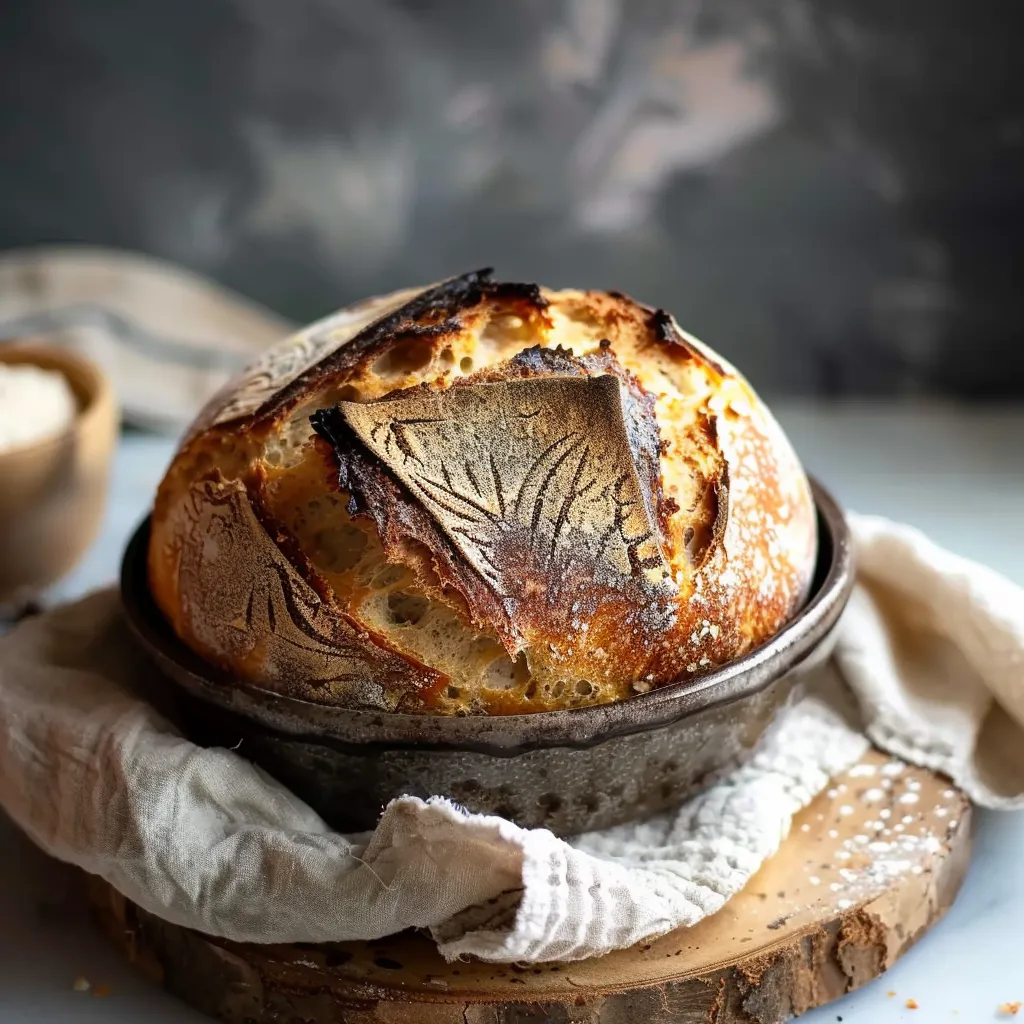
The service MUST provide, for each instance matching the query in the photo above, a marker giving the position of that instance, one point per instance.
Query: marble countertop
(958, 475)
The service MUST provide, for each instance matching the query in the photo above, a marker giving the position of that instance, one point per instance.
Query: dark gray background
(831, 192)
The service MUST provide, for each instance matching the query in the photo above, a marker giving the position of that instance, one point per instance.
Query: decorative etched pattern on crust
(534, 484)
(288, 359)
(245, 605)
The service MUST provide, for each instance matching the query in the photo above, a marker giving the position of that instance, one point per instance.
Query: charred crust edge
(665, 332)
(432, 313)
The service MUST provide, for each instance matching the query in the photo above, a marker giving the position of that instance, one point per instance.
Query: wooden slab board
(868, 867)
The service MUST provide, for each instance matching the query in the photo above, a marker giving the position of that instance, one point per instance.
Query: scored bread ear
(535, 496)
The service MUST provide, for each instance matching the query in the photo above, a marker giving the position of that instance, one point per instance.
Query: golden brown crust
(518, 500)
(249, 611)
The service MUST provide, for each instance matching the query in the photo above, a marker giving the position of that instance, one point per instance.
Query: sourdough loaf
(482, 498)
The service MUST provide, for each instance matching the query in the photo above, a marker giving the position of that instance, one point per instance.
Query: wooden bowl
(53, 491)
(569, 771)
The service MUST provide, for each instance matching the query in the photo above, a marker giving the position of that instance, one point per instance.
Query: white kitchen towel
(931, 649)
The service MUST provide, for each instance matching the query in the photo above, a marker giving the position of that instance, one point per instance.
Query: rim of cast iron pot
(503, 735)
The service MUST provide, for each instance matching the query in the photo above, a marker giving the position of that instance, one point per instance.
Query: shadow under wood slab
(866, 870)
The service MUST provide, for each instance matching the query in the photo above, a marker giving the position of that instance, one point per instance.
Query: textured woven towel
(167, 338)
(929, 664)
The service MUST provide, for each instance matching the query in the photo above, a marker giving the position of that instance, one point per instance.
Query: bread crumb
(911, 1004)
(101, 991)
(890, 994)
(1009, 1009)
(81, 984)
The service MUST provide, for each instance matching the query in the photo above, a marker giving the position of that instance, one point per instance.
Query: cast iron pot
(569, 771)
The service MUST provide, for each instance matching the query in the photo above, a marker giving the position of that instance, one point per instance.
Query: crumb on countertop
(911, 1004)
(80, 984)
(101, 991)
(1009, 1009)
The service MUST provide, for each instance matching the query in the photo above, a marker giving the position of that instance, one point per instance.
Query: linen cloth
(928, 664)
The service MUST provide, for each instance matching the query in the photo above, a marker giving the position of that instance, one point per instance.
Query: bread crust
(482, 497)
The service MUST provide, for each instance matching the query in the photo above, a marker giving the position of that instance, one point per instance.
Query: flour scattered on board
(882, 850)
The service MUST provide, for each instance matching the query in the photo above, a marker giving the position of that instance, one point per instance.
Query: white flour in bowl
(35, 404)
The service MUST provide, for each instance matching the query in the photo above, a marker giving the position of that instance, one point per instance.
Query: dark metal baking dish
(569, 771)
